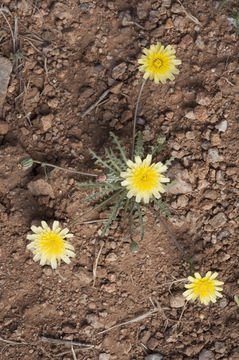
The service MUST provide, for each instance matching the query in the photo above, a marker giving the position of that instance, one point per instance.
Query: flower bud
(25, 163)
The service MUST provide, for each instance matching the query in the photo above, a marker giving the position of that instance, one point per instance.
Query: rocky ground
(58, 58)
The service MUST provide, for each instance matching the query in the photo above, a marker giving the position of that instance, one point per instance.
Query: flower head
(206, 289)
(48, 245)
(158, 63)
(233, 21)
(144, 179)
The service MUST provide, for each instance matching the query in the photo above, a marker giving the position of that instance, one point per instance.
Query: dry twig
(96, 264)
(13, 342)
(189, 15)
(73, 353)
(105, 93)
(65, 342)
(138, 318)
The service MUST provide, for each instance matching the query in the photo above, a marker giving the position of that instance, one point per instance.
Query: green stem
(96, 208)
(64, 169)
(135, 116)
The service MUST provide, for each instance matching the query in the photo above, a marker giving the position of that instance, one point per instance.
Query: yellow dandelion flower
(48, 245)
(144, 179)
(159, 63)
(206, 289)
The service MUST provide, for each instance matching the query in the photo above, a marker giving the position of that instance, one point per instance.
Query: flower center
(51, 243)
(145, 178)
(158, 62)
(203, 287)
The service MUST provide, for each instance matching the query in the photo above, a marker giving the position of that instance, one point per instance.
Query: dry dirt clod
(152, 343)
(40, 187)
(5, 71)
(47, 122)
(4, 127)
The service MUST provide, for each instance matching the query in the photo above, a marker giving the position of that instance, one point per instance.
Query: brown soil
(70, 52)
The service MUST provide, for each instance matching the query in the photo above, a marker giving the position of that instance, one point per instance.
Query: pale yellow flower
(143, 179)
(206, 289)
(159, 63)
(48, 245)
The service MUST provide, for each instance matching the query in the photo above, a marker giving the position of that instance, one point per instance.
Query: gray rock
(148, 134)
(176, 9)
(111, 257)
(152, 343)
(182, 201)
(220, 347)
(119, 70)
(104, 356)
(190, 115)
(222, 126)
(84, 276)
(218, 220)
(199, 43)
(93, 320)
(166, 3)
(126, 18)
(206, 355)
(182, 185)
(84, 6)
(202, 99)
(213, 156)
(141, 12)
(177, 301)
(223, 303)
(211, 194)
(5, 71)
(154, 357)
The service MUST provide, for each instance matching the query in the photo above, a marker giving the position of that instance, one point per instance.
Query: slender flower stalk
(26, 163)
(135, 116)
(159, 64)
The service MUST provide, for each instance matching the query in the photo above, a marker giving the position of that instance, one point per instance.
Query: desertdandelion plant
(206, 288)
(159, 63)
(49, 245)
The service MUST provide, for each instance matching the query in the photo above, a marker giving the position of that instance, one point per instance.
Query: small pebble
(206, 355)
(218, 220)
(223, 303)
(154, 357)
(213, 156)
(104, 356)
(119, 70)
(177, 301)
(222, 126)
